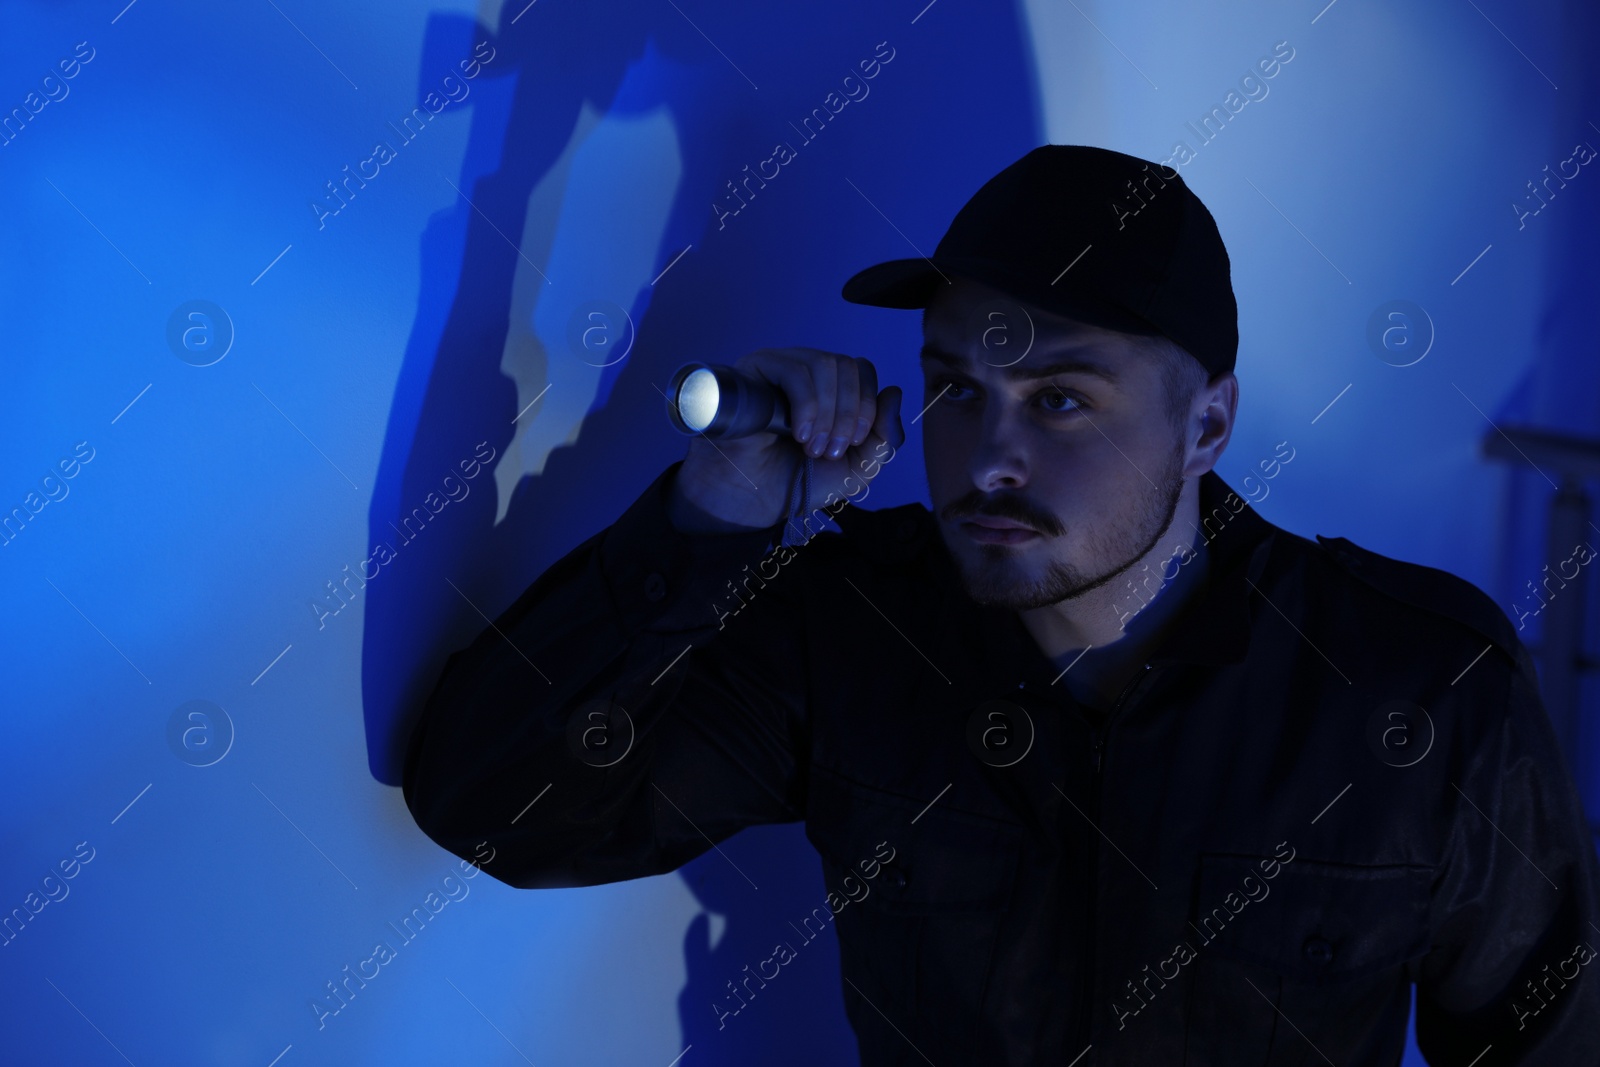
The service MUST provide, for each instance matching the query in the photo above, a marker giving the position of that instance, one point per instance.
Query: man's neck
(1134, 603)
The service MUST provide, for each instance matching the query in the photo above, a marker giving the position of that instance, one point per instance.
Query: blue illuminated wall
(327, 328)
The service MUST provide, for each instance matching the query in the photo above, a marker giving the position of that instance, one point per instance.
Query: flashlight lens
(697, 399)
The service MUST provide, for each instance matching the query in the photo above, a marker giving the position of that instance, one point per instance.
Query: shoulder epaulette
(1428, 588)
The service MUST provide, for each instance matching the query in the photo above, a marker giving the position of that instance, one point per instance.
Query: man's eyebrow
(1024, 370)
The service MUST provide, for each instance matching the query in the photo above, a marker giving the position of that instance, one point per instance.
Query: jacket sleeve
(614, 722)
(1512, 975)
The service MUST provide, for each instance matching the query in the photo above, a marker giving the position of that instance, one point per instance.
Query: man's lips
(990, 530)
(995, 523)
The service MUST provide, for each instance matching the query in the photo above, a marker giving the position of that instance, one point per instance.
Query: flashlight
(722, 402)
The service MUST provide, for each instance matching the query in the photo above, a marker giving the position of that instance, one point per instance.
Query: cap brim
(898, 283)
(913, 283)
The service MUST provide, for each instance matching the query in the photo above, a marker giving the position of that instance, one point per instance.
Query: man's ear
(1211, 417)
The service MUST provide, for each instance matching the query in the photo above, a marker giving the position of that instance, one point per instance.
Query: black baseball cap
(1096, 235)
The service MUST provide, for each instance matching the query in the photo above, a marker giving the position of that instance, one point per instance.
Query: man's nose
(999, 458)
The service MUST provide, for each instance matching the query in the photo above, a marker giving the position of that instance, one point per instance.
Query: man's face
(1087, 461)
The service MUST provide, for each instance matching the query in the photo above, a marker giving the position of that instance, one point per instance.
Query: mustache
(1004, 507)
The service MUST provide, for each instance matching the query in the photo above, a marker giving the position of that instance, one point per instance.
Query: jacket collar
(1212, 629)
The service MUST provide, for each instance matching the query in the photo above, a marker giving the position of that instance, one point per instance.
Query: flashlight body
(744, 404)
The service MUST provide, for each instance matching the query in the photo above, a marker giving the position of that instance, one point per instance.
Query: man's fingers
(833, 399)
(847, 400)
(824, 388)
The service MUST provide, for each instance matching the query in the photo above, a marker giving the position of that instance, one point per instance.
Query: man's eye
(1056, 396)
(1052, 399)
(947, 388)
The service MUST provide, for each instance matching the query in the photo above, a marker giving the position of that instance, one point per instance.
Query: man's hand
(839, 418)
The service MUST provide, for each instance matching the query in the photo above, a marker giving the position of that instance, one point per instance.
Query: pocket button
(1319, 951)
(655, 587)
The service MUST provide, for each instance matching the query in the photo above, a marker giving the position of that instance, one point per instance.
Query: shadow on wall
(554, 304)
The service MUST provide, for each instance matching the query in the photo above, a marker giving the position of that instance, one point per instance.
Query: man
(1103, 767)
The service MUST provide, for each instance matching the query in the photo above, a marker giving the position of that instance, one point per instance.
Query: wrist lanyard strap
(797, 533)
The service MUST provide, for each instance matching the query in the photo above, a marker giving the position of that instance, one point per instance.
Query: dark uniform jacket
(1333, 778)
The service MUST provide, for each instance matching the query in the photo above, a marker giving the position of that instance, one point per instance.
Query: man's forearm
(496, 756)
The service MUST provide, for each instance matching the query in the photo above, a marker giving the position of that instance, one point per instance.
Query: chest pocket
(920, 893)
(1323, 945)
